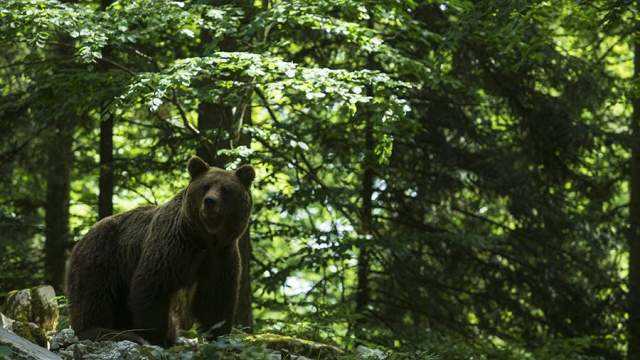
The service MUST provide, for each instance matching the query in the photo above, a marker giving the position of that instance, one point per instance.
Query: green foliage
(5, 351)
(237, 73)
(230, 348)
(490, 138)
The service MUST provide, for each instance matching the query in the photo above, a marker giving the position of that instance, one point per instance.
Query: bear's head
(217, 200)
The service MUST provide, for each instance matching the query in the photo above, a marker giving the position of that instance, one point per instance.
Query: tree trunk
(57, 236)
(105, 182)
(217, 119)
(634, 221)
(244, 315)
(105, 197)
(362, 294)
(215, 122)
(363, 286)
(58, 176)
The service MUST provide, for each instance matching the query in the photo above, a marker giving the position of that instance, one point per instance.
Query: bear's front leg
(149, 304)
(216, 296)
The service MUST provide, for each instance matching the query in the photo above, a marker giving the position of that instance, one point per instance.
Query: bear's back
(112, 245)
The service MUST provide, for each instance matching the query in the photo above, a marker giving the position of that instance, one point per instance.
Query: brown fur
(125, 271)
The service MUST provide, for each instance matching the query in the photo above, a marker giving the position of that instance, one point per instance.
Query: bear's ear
(246, 174)
(197, 167)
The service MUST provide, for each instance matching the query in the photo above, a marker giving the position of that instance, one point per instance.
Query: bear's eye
(224, 189)
(205, 187)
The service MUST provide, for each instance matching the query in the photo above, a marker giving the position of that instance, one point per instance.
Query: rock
(27, 330)
(35, 305)
(6, 322)
(116, 350)
(63, 339)
(298, 357)
(20, 348)
(102, 350)
(186, 341)
(234, 347)
(156, 352)
(30, 331)
(70, 351)
(127, 350)
(74, 351)
(366, 353)
(18, 305)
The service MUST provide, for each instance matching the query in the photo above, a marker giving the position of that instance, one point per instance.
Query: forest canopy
(457, 177)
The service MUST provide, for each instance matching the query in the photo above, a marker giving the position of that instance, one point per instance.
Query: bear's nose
(210, 201)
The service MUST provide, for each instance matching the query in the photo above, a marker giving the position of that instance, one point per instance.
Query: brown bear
(125, 272)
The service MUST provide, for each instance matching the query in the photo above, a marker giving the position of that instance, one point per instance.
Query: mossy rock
(29, 331)
(36, 305)
(291, 345)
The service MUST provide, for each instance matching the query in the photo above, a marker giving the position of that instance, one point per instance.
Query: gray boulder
(35, 305)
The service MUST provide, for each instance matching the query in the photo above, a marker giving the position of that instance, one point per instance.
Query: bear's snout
(210, 201)
(211, 205)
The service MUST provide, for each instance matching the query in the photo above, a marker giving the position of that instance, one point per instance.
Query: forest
(433, 179)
